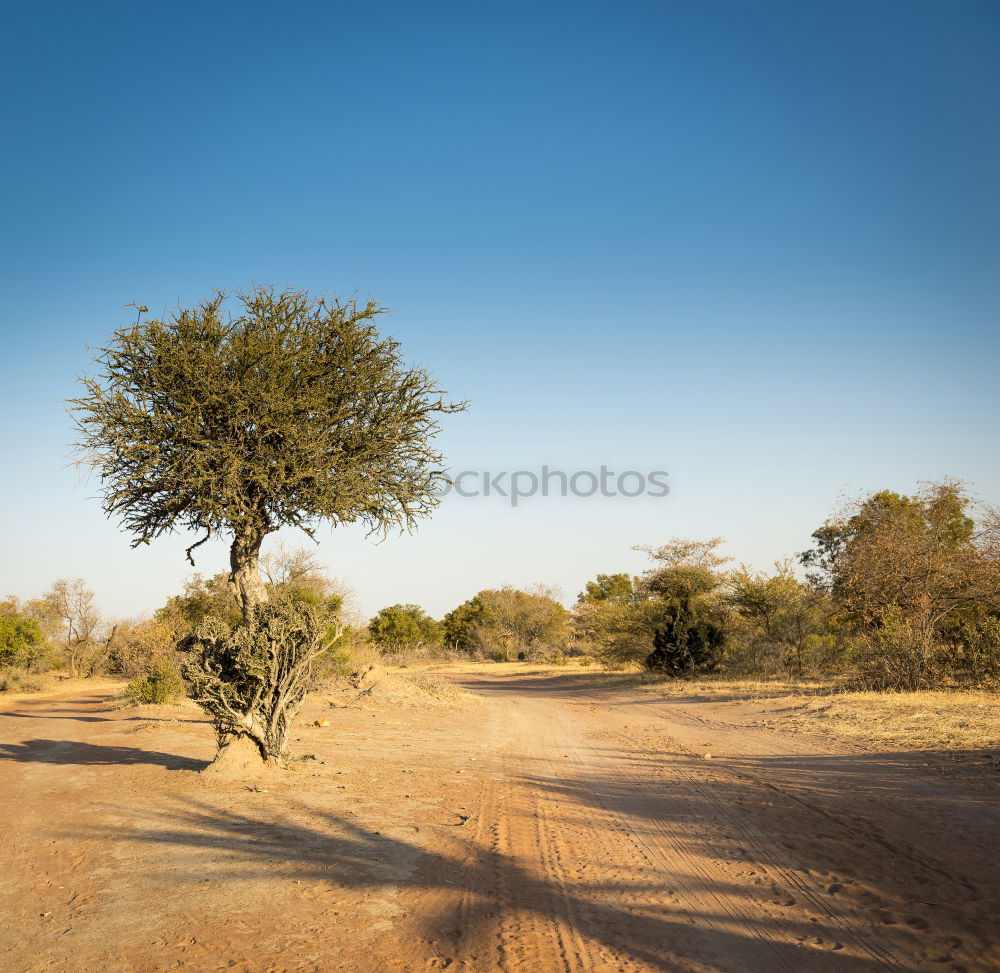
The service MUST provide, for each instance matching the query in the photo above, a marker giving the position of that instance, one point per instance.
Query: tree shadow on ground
(907, 853)
(575, 686)
(52, 715)
(116, 717)
(459, 899)
(90, 754)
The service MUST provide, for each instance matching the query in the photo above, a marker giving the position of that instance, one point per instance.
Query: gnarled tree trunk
(254, 678)
(244, 565)
(236, 749)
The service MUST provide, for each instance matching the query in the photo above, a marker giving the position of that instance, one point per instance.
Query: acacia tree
(287, 411)
(619, 589)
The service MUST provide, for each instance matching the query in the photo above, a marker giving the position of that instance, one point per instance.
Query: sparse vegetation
(14, 680)
(69, 615)
(899, 593)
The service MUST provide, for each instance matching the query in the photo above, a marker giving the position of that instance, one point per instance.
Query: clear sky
(754, 244)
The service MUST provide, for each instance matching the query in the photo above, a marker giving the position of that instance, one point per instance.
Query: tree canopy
(924, 555)
(289, 411)
(618, 588)
(21, 639)
(404, 626)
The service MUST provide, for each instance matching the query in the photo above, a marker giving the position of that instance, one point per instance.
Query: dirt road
(546, 821)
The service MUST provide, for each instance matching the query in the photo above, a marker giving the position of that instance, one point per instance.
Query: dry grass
(926, 720)
(16, 683)
(745, 690)
(435, 686)
(905, 721)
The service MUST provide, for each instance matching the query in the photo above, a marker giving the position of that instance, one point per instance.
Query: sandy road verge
(549, 821)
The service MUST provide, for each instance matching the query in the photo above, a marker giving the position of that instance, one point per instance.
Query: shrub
(979, 660)
(500, 623)
(618, 635)
(401, 627)
(18, 681)
(897, 655)
(135, 648)
(687, 642)
(162, 685)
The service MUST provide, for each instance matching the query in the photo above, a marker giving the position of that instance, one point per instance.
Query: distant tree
(681, 552)
(621, 589)
(284, 571)
(670, 623)
(404, 627)
(618, 634)
(686, 641)
(683, 569)
(203, 598)
(685, 582)
(298, 569)
(504, 622)
(459, 625)
(68, 611)
(162, 683)
(140, 647)
(290, 412)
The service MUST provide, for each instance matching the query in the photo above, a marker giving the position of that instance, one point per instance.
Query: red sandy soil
(543, 820)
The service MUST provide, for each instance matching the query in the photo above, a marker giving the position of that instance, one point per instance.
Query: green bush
(22, 645)
(688, 642)
(401, 627)
(162, 685)
(975, 656)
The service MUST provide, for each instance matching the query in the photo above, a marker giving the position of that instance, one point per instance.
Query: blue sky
(754, 244)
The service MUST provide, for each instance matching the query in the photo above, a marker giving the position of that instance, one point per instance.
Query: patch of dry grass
(732, 690)
(905, 721)
(926, 720)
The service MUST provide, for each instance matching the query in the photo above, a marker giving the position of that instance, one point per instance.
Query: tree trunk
(239, 750)
(244, 563)
(253, 707)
